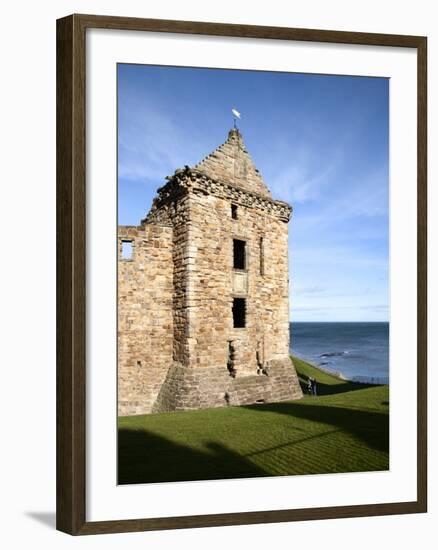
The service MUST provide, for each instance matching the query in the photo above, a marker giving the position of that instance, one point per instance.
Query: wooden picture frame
(71, 273)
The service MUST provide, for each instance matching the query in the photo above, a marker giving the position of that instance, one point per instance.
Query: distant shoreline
(351, 351)
(375, 381)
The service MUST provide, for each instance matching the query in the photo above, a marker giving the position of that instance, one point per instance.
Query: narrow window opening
(239, 312)
(127, 250)
(234, 211)
(231, 359)
(259, 357)
(239, 254)
(262, 257)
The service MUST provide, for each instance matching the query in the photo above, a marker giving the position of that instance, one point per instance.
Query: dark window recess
(239, 254)
(231, 359)
(234, 211)
(126, 250)
(239, 312)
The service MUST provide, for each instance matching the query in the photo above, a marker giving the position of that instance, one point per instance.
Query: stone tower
(203, 313)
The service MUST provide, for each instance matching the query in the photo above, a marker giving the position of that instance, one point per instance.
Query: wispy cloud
(310, 290)
(325, 257)
(152, 144)
(378, 307)
(365, 197)
(317, 293)
(299, 184)
(298, 173)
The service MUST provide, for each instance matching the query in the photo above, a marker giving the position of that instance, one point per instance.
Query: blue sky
(321, 144)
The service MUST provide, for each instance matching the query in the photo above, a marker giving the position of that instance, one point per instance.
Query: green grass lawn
(327, 384)
(343, 429)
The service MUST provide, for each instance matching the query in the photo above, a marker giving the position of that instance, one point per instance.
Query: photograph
(253, 274)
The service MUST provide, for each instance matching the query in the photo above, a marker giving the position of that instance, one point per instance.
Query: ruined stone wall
(207, 282)
(178, 346)
(181, 264)
(145, 319)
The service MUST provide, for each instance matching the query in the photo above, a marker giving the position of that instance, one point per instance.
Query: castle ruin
(203, 307)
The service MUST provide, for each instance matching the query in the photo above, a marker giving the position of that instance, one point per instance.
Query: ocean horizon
(357, 351)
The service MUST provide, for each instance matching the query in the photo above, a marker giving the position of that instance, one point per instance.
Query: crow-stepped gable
(203, 307)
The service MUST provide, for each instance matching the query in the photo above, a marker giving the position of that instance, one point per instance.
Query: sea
(355, 351)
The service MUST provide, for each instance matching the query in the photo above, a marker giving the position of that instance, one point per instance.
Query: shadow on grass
(144, 457)
(372, 428)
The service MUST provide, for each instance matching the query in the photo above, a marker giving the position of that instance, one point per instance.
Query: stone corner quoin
(203, 304)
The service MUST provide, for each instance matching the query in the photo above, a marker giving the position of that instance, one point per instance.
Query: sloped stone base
(188, 388)
(140, 389)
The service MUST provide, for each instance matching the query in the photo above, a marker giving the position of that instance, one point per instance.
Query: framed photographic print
(241, 274)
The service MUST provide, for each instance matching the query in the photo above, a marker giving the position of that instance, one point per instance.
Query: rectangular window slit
(234, 211)
(126, 250)
(239, 254)
(239, 312)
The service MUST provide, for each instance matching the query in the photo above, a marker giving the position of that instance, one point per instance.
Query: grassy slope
(343, 429)
(327, 384)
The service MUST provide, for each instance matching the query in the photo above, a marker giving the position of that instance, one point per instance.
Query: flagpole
(236, 115)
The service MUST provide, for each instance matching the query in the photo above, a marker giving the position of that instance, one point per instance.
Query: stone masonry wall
(188, 388)
(212, 285)
(145, 320)
(260, 350)
(178, 347)
(231, 162)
